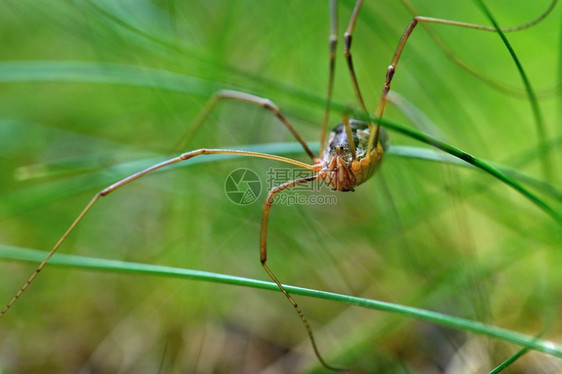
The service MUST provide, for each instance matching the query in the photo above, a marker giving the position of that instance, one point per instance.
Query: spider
(350, 154)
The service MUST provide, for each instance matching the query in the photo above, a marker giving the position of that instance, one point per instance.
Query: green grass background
(92, 91)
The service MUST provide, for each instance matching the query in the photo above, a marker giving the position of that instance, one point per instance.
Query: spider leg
(347, 52)
(247, 98)
(465, 66)
(333, 44)
(115, 186)
(263, 258)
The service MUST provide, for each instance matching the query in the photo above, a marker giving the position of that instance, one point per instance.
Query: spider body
(344, 164)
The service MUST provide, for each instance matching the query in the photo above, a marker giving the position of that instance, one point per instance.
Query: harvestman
(342, 164)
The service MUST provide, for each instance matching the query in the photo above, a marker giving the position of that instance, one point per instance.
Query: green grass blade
(510, 360)
(28, 255)
(539, 121)
(476, 162)
(427, 154)
(521, 158)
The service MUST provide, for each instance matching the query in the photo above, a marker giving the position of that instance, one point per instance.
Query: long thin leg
(333, 44)
(131, 178)
(457, 60)
(263, 258)
(398, 52)
(251, 99)
(348, 39)
(347, 52)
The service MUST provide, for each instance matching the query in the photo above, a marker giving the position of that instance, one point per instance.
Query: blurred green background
(87, 87)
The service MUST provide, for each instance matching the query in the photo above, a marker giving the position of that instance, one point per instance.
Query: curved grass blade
(29, 255)
(476, 162)
(499, 86)
(427, 154)
(522, 157)
(539, 121)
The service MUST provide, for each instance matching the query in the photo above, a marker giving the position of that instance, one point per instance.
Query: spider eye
(340, 149)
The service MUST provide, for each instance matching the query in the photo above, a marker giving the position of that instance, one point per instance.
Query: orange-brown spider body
(342, 165)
